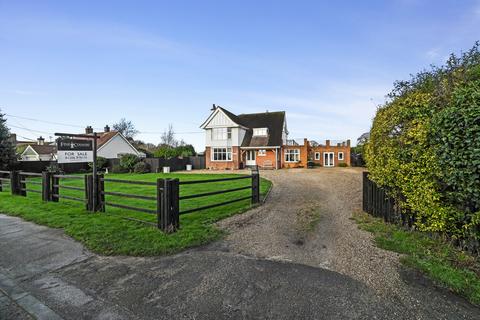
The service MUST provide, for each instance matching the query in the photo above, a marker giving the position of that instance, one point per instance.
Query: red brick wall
(269, 158)
(221, 165)
(335, 149)
(304, 150)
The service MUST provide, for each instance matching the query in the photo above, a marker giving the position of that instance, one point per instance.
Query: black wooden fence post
(46, 188)
(55, 188)
(255, 187)
(101, 195)
(89, 192)
(364, 191)
(14, 182)
(22, 185)
(160, 189)
(169, 217)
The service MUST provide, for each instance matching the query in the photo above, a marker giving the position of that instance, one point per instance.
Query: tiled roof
(105, 137)
(274, 121)
(44, 149)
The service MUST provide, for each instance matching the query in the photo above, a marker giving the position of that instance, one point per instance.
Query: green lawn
(107, 233)
(441, 262)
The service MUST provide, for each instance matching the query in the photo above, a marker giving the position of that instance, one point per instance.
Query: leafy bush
(101, 163)
(166, 152)
(424, 146)
(118, 169)
(343, 164)
(128, 161)
(141, 167)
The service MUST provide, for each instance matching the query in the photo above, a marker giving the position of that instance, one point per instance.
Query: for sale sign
(74, 150)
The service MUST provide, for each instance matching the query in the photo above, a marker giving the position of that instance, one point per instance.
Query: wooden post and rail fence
(167, 196)
(378, 203)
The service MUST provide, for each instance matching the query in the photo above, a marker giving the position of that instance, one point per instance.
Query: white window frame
(217, 151)
(262, 153)
(260, 131)
(295, 153)
(340, 156)
(219, 134)
(318, 156)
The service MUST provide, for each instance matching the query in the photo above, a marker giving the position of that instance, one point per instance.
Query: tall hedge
(424, 146)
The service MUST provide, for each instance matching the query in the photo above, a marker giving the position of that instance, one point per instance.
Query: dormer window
(260, 131)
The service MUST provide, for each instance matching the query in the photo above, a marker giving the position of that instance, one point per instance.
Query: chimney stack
(89, 130)
(214, 107)
(40, 141)
(107, 128)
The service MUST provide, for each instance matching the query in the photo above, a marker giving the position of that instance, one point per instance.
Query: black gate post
(46, 188)
(55, 188)
(255, 187)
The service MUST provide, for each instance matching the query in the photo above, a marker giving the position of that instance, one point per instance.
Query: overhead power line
(79, 126)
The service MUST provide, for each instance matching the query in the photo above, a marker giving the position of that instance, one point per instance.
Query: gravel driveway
(282, 230)
(299, 256)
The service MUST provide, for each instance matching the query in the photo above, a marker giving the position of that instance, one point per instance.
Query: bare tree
(168, 137)
(126, 128)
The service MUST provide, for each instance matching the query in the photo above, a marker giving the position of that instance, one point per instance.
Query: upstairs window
(260, 131)
(221, 133)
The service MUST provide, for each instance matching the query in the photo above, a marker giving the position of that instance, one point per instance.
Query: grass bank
(107, 233)
(445, 265)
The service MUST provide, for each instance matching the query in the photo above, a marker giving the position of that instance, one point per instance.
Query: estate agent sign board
(74, 150)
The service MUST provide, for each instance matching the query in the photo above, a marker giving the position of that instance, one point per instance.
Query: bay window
(221, 154)
(221, 133)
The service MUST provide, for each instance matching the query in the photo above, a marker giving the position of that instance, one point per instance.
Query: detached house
(110, 144)
(261, 139)
(40, 151)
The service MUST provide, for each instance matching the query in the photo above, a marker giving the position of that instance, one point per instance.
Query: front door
(328, 159)
(251, 158)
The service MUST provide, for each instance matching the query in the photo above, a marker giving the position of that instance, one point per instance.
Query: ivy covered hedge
(424, 147)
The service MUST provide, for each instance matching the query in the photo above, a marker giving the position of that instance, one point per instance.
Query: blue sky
(327, 64)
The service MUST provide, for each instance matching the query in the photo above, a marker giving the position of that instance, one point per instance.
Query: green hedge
(424, 146)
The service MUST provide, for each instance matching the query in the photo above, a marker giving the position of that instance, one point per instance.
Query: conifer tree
(7, 149)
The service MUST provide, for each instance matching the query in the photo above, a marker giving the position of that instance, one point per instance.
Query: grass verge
(107, 233)
(445, 265)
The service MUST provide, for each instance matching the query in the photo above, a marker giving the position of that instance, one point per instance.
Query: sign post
(81, 149)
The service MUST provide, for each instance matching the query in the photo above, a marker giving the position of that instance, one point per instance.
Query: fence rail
(95, 189)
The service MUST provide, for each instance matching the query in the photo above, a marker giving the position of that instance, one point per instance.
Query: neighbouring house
(110, 144)
(261, 139)
(40, 151)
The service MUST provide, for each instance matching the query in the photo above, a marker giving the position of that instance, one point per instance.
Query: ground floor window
(317, 155)
(221, 154)
(262, 153)
(340, 156)
(292, 155)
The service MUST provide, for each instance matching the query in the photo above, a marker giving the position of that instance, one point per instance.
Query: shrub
(128, 162)
(101, 163)
(118, 169)
(141, 167)
(424, 146)
(342, 164)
